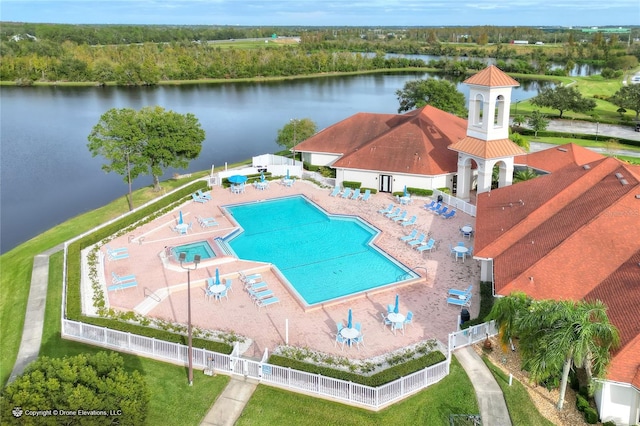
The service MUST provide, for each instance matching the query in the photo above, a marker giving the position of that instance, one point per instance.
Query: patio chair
(122, 286)
(229, 283)
(259, 295)
(116, 251)
(460, 300)
(367, 195)
(428, 246)
(431, 204)
(203, 195)
(198, 199)
(390, 308)
(440, 210)
(356, 194)
(398, 326)
(409, 318)
(335, 191)
(249, 278)
(385, 320)
(207, 221)
(117, 256)
(387, 210)
(449, 215)
(411, 221)
(470, 252)
(456, 292)
(358, 340)
(436, 207)
(417, 241)
(460, 255)
(224, 293)
(116, 279)
(266, 302)
(346, 193)
(399, 217)
(339, 339)
(208, 294)
(255, 286)
(444, 210)
(411, 236)
(393, 213)
(339, 326)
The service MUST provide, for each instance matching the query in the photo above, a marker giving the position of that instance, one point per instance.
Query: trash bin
(440, 198)
(464, 316)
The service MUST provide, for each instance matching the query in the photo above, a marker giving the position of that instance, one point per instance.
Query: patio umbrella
(237, 179)
(349, 320)
(396, 308)
(217, 276)
(180, 218)
(406, 194)
(287, 173)
(262, 177)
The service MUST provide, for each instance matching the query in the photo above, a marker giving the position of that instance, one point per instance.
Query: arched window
(479, 109)
(499, 112)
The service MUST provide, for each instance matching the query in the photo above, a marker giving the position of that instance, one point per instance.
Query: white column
(484, 176)
(464, 178)
(506, 172)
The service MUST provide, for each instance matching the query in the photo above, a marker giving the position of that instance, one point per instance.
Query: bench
(122, 286)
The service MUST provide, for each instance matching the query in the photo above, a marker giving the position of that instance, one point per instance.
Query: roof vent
(638, 196)
(586, 167)
(624, 182)
(562, 149)
(619, 175)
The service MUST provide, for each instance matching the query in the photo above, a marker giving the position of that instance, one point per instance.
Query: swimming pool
(203, 248)
(324, 257)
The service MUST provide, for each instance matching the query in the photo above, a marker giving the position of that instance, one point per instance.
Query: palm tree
(555, 335)
(505, 311)
(526, 174)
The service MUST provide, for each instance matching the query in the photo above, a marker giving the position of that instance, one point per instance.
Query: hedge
(73, 302)
(486, 303)
(601, 138)
(378, 379)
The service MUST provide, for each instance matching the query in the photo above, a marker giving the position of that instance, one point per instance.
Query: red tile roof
(573, 234)
(492, 76)
(497, 148)
(412, 143)
(551, 160)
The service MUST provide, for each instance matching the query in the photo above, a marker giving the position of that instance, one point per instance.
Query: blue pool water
(203, 248)
(324, 257)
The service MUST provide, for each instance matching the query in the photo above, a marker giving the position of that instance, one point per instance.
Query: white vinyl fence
(361, 395)
(459, 204)
(472, 335)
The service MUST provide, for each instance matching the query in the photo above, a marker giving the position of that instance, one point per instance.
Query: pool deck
(315, 329)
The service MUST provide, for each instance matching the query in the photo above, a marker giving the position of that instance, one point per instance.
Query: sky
(529, 13)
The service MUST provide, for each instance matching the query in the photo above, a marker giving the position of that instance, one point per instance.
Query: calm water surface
(47, 174)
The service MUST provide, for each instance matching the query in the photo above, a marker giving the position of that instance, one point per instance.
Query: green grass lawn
(452, 395)
(521, 408)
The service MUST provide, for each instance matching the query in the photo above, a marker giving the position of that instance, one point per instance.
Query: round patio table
(349, 333)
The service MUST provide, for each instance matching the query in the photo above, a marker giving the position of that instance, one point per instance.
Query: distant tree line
(146, 55)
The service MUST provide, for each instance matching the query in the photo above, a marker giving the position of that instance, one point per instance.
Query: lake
(48, 176)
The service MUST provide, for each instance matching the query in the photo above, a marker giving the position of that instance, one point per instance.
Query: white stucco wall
(318, 159)
(371, 179)
(618, 402)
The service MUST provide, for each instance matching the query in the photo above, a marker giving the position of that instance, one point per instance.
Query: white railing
(471, 335)
(459, 204)
(364, 396)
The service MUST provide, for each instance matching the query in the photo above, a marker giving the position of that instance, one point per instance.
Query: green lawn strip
(170, 392)
(452, 395)
(587, 143)
(521, 408)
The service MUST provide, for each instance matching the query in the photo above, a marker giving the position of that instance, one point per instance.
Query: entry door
(385, 183)
(454, 185)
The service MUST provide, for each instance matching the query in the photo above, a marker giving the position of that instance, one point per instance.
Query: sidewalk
(493, 408)
(229, 405)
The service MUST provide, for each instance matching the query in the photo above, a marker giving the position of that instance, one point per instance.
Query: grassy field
(432, 406)
(521, 408)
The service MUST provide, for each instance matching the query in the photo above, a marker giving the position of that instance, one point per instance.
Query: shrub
(609, 423)
(581, 403)
(590, 415)
(351, 184)
(486, 303)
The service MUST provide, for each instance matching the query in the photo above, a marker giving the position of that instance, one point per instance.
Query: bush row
(601, 138)
(590, 414)
(378, 379)
(146, 214)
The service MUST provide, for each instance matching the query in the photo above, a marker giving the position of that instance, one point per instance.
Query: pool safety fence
(373, 398)
(456, 203)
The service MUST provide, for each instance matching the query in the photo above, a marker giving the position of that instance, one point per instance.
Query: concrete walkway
(493, 408)
(229, 405)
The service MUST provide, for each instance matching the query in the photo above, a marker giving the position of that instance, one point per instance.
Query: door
(385, 183)
(454, 185)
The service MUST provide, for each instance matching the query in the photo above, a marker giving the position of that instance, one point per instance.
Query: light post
(294, 121)
(517, 102)
(196, 259)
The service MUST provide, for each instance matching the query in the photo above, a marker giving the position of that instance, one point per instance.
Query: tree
(437, 93)
(136, 142)
(628, 97)
(523, 175)
(519, 140)
(296, 131)
(556, 335)
(89, 382)
(518, 120)
(537, 122)
(563, 98)
(119, 139)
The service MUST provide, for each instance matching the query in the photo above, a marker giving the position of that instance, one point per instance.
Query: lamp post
(294, 121)
(196, 259)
